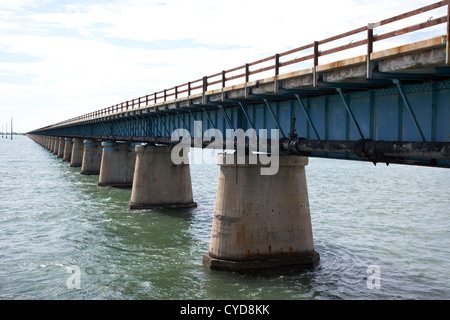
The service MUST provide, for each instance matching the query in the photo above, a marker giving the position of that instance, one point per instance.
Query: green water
(52, 218)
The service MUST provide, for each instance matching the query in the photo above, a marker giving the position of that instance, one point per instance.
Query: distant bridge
(388, 106)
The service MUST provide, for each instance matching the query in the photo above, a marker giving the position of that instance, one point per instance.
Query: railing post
(277, 64)
(316, 53)
(223, 79)
(176, 92)
(447, 56)
(369, 49)
(165, 95)
(316, 63)
(205, 88)
(155, 97)
(247, 72)
(205, 84)
(189, 89)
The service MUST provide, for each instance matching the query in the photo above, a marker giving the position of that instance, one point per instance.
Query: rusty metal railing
(243, 72)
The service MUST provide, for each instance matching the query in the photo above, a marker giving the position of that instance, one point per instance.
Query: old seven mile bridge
(386, 106)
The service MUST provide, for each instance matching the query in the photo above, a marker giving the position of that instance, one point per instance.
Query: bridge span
(387, 106)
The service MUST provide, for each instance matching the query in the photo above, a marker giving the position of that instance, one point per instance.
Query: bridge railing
(274, 63)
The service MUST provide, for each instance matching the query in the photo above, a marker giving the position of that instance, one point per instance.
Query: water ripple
(51, 217)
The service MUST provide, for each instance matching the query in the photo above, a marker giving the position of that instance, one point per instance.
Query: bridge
(386, 106)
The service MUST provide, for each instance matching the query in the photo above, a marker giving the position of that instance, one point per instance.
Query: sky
(60, 59)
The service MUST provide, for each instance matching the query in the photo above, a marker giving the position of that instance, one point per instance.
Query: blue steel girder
(386, 110)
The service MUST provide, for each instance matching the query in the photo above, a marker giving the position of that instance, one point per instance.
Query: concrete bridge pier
(261, 221)
(92, 157)
(67, 149)
(45, 145)
(117, 165)
(77, 153)
(158, 182)
(48, 141)
(61, 147)
(55, 145)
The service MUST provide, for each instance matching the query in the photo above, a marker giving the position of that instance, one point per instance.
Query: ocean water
(382, 232)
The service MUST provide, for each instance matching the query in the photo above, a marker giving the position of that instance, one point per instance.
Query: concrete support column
(67, 149)
(261, 221)
(55, 145)
(117, 166)
(47, 142)
(61, 147)
(158, 182)
(92, 157)
(77, 153)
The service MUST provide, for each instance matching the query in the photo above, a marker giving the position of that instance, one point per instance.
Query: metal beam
(274, 118)
(411, 112)
(209, 119)
(246, 115)
(164, 125)
(225, 115)
(155, 126)
(405, 152)
(263, 97)
(370, 149)
(403, 75)
(182, 120)
(339, 90)
(307, 116)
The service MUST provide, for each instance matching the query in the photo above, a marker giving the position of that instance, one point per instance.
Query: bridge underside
(392, 108)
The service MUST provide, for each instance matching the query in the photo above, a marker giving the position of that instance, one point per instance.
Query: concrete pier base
(61, 147)
(261, 221)
(158, 182)
(67, 149)
(50, 144)
(117, 166)
(77, 153)
(92, 157)
(55, 145)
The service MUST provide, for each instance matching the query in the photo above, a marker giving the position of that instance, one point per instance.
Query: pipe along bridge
(387, 106)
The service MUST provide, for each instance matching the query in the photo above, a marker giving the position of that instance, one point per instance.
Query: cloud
(6, 107)
(68, 58)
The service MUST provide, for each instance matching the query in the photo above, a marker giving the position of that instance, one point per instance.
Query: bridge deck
(400, 95)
